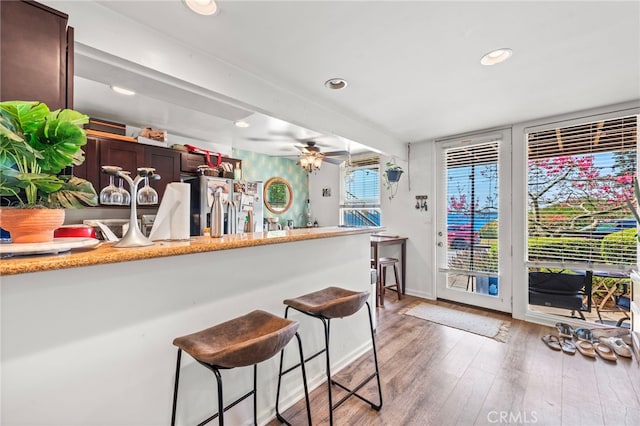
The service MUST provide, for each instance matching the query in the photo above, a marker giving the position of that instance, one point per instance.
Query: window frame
(365, 208)
(568, 124)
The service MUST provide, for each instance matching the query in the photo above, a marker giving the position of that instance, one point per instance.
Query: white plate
(56, 246)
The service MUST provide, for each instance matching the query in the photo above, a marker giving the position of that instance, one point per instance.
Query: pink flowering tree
(573, 192)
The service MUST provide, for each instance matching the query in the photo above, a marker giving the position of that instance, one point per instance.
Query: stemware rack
(134, 236)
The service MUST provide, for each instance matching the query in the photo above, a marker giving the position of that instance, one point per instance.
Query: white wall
(400, 217)
(325, 209)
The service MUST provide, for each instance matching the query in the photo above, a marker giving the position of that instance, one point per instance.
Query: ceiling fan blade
(333, 160)
(264, 139)
(335, 153)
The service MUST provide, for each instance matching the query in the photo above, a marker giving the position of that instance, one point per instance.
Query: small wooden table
(388, 240)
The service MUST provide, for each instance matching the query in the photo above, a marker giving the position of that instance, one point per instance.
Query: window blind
(360, 195)
(579, 178)
(472, 209)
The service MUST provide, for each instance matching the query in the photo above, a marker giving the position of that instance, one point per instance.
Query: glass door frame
(503, 301)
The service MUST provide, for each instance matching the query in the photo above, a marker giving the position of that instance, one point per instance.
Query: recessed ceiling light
(241, 124)
(496, 56)
(336, 83)
(202, 7)
(123, 91)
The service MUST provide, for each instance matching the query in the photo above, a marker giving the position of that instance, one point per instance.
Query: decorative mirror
(277, 195)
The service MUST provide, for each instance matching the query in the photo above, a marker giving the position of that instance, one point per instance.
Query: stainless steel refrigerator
(250, 206)
(244, 197)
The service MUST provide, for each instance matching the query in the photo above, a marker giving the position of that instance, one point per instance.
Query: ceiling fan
(310, 149)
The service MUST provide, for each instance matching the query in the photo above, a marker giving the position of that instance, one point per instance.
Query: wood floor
(436, 375)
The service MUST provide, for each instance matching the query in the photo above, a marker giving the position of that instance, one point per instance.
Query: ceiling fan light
(317, 162)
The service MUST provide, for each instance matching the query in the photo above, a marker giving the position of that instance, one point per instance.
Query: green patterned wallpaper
(262, 167)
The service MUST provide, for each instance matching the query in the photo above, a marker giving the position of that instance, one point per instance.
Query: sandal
(583, 334)
(605, 352)
(568, 347)
(552, 341)
(618, 346)
(611, 332)
(564, 330)
(585, 347)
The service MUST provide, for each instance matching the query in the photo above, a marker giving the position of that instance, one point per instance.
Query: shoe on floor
(568, 347)
(552, 341)
(605, 351)
(585, 347)
(583, 334)
(610, 332)
(564, 330)
(618, 346)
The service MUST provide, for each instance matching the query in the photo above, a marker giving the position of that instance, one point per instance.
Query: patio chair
(622, 304)
(561, 290)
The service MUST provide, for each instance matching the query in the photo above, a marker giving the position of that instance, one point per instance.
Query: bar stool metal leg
(376, 374)
(304, 383)
(221, 407)
(351, 392)
(175, 388)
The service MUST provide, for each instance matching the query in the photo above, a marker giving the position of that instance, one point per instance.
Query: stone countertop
(106, 253)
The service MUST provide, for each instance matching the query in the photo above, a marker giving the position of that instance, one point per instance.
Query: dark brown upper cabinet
(36, 54)
(167, 164)
(129, 156)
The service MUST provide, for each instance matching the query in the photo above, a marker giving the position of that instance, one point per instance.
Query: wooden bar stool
(383, 263)
(326, 304)
(240, 342)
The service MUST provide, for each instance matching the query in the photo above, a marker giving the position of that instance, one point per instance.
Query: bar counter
(87, 336)
(106, 253)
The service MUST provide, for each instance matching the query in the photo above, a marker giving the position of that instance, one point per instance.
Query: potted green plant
(36, 145)
(392, 174)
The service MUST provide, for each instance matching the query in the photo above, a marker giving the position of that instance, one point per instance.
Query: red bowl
(75, 231)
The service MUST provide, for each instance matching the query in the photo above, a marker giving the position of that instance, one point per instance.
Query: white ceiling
(413, 67)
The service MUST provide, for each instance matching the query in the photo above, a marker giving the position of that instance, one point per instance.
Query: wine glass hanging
(134, 236)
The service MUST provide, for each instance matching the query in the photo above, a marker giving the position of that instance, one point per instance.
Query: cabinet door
(127, 155)
(33, 53)
(190, 162)
(167, 165)
(89, 170)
